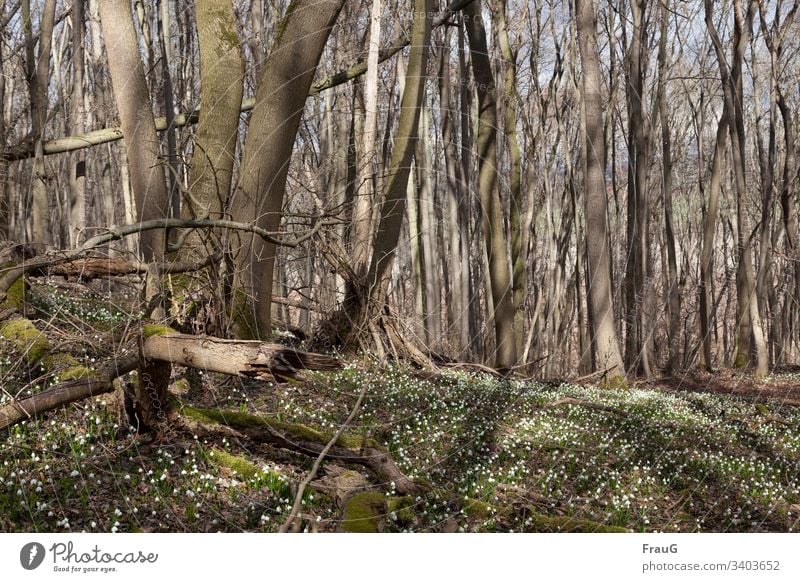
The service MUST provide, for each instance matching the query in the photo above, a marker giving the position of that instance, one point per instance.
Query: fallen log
(243, 358)
(353, 449)
(98, 382)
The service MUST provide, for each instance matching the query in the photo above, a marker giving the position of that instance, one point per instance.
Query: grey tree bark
(502, 306)
(285, 80)
(606, 345)
(134, 105)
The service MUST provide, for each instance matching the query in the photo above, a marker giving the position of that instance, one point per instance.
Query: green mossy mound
(26, 339)
(364, 512)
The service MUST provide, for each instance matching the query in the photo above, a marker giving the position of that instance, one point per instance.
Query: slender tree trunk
(138, 124)
(456, 305)
(608, 356)
(5, 192)
(37, 72)
(673, 292)
(77, 177)
(519, 251)
(637, 279)
(502, 306)
(427, 211)
(405, 144)
(363, 219)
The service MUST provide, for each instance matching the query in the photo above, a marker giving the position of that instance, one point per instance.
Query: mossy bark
(351, 448)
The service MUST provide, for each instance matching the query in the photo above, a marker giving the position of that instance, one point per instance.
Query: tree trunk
(672, 290)
(77, 177)
(637, 277)
(211, 173)
(607, 351)
(38, 76)
(136, 118)
(280, 99)
(502, 306)
(405, 143)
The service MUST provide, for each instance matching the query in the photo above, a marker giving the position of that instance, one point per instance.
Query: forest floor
(697, 453)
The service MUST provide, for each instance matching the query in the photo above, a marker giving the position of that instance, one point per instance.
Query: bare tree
(282, 90)
(138, 124)
(502, 307)
(604, 338)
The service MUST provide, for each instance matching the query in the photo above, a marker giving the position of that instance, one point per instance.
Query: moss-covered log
(97, 382)
(246, 359)
(349, 448)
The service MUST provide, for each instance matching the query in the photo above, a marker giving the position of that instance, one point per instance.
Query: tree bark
(405, 143)
(280, 99)
(605, 342)
(502, 307)
(136, 119)
(38, 75)
(77, 178)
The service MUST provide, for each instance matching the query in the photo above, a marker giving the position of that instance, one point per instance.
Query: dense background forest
(208, 194)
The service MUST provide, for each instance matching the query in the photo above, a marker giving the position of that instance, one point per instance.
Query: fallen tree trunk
(243, 358)
(308, 441)
(99, 382)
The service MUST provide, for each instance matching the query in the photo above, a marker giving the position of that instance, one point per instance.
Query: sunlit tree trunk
(286, 77)
(147, 176)
(502, 307)
(608, 356)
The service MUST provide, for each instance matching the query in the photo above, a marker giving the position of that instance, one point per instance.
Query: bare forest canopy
(543, 187)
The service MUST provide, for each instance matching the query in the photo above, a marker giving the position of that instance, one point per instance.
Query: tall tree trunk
(458, 312)
(5, 192)
(138, 124)
(37, 72)
(427, 213)
(608, 356)
(77, 176)
(210, 178)
(282, 90)
(519, 251)
(637, 278)
(502, 306)
(405, 144)
(673, 292)
(363, 213)
(748, 315)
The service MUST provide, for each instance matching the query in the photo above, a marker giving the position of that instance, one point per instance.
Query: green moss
(244, 468)
(363, 512)
(66, 366)
(402, 507)
(151, 330)
(15, 296)
(476, 509)
(28, 340)
(75, 373)
(616, 382)
(243, 421)
(565, 523)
